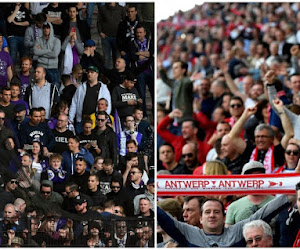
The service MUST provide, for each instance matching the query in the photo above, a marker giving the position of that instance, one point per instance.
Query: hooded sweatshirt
(49, 50)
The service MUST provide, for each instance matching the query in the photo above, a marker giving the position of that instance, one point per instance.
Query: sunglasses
(117, 211)
(294, 152)
(101, 120)
(236, 105)
(14, 182)
(45, 192)
(133, 172)
(117, 187)
(2, 118)
(189, 155)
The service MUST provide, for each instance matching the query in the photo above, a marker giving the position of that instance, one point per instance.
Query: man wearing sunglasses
(106, 138)
(189, 159)
(48, 195)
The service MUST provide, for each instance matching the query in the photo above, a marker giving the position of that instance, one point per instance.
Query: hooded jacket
(78, 98)
(47, 50)
(69, 158)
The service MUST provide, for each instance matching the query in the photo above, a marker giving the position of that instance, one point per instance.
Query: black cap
(130, 76)
(19, 107)
(79, 200)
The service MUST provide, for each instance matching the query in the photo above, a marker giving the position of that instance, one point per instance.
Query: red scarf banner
(170, 185)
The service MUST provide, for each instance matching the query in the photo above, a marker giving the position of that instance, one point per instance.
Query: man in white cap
(244, 207)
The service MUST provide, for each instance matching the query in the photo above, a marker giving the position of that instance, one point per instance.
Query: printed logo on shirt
(20, 16)
(127, 97)
(3, 67)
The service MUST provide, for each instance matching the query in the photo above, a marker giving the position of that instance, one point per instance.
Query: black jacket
(107, 142)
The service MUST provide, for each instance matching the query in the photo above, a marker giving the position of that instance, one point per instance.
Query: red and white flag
(170, 185)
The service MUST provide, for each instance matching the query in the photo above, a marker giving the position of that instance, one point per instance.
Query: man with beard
(81, 175)
(189, 157)
(25, 77)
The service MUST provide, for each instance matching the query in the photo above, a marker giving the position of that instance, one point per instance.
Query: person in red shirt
(189, 132)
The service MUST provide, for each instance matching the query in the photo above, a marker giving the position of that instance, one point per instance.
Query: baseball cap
(46, 24)
(89, 43)
(253, 166)
(19, 107)
(79, 200)
(93, 68)
(130, 76)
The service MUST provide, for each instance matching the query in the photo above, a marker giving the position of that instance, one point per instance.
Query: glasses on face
(14, 182)
(115, 187)
(61, 121)
(133, 173)
(69, 192)
(235, 105)
(262, 136)
(79, 158)
(257, 238)
(45, 192)
(117, 211)
(189, 155)
(101, 120)
(292, 152)
(2, 118)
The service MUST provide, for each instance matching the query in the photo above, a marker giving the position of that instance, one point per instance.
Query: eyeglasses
(117, 211)
(189, 155)
(116, 187)
(134, 172)
(45, 192)
(101, 120)
(294, 152)
(14, 182)
(236, 105)
(2, 118)
(61, 121)
(257, 238)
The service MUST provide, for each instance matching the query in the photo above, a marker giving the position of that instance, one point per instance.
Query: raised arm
(230, 83)
(236, 130)
(286, 123)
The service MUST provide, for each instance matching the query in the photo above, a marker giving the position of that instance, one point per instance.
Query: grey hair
(258, 223)
(262, 126)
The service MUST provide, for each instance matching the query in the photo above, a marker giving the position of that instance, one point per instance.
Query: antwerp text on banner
(170, 185)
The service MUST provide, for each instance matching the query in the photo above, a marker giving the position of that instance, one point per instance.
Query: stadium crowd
(228, 92)
(76, 138)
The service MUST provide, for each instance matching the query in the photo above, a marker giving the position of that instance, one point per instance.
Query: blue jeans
(16, 44)
(53, 77)
(89, 10)
(78, 127)
(143, 79)
(110, 51)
